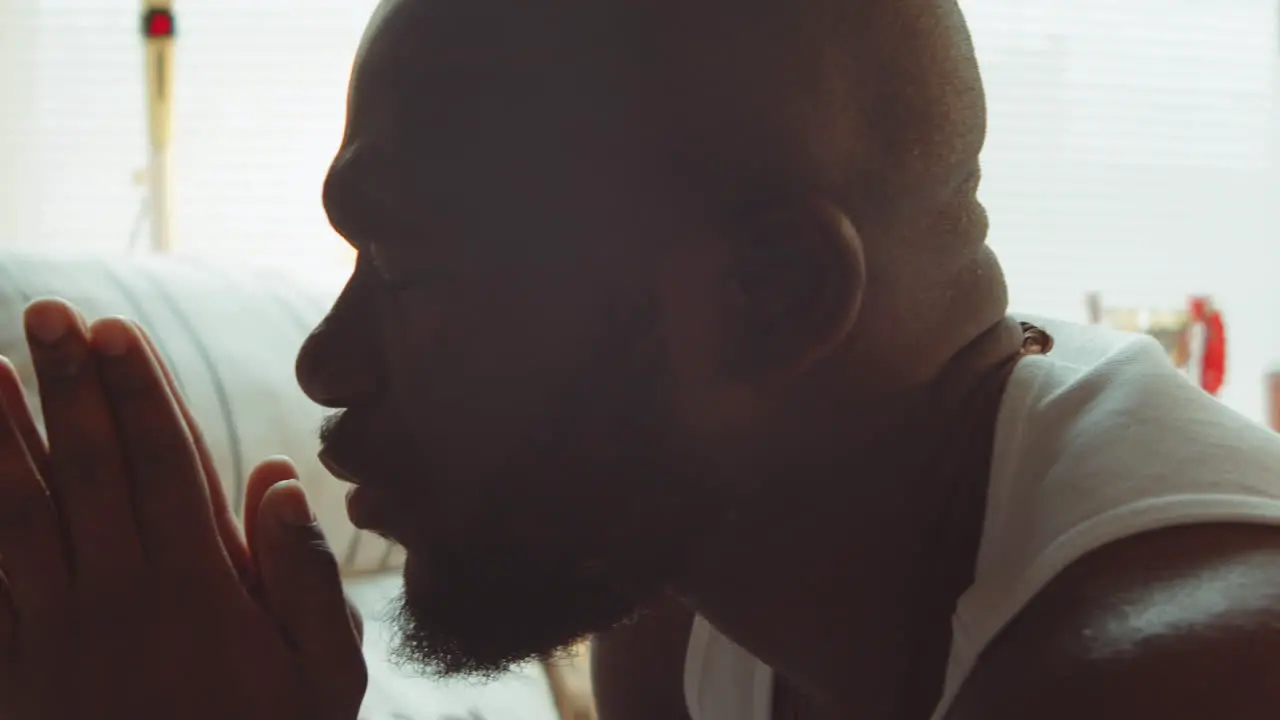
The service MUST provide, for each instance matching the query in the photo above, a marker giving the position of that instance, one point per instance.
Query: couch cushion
(230, 333)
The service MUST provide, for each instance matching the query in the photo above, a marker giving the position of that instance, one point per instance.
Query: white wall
(1133, 145)
(17, 110)
(259, 96)
(1132, 151)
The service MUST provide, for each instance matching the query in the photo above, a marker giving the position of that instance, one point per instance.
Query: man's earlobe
(802, 276)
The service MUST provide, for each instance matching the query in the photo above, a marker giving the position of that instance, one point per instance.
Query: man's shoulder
(1178, 623)
(637, 669)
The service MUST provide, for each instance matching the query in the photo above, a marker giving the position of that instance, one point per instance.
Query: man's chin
(456, 628)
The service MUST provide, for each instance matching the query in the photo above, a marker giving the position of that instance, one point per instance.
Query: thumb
(304, 591)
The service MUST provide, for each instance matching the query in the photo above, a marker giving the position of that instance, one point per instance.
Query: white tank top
(1099, 440)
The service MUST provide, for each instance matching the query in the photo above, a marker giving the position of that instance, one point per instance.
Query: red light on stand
(157, 24)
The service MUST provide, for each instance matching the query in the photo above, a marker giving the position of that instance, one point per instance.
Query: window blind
(1132, 146)
(260, 90)
(1132, 152)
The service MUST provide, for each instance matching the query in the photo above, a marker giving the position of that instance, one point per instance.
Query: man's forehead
(422, 63)
(468, 33)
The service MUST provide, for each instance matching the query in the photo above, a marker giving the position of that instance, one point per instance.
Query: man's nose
(337, 366)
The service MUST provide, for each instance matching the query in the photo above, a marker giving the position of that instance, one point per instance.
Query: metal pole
(158, 37)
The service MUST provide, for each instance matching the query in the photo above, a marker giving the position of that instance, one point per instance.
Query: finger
(87, 478)
(13, 400)
(32, 556)
(171, 503)
(357, 620)
(8, 621)
(304, 591)
(261, 478)
(267, 473)
(233, 540)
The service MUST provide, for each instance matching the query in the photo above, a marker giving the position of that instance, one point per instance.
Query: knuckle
(129, 378)
(22, 509)
(8, 618)
(58, 373)
(61, 362)
(166, 442)
(82, 465)
(321, 554)
(189, 582)
(166, 453)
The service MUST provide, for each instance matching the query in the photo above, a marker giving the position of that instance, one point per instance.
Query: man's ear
(801, 274)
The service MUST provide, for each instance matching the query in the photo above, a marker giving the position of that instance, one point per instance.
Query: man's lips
(335, 468)
(362, 508)
(362, 502)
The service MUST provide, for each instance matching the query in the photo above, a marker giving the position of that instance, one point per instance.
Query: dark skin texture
(666, 308)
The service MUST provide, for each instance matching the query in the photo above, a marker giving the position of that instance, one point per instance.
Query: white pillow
(230, 333)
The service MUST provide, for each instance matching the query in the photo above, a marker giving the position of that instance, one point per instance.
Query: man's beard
(477, 608)
(572, 538)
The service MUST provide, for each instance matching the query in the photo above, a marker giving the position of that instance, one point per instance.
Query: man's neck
(842, 572)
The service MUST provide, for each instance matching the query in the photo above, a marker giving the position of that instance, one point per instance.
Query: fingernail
(47, 321)
(111, 337)
(294, 508)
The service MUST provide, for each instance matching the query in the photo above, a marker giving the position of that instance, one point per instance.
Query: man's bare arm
(1176, 624)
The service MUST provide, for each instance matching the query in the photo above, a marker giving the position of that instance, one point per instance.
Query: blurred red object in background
(1194, 335)
(1207, 338)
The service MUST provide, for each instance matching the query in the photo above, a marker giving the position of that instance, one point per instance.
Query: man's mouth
(335, 468)
(363, 508)
(363, 502)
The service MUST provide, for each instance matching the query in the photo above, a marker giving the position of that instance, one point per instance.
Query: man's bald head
(609, 251)
(813, 92)
(874, 106)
